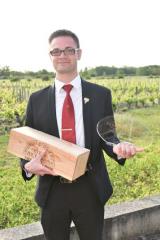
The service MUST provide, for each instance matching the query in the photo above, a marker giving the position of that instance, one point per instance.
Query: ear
(79, 54)
(50, 56)
(49, 49)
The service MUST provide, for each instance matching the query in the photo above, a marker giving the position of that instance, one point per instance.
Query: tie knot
(67, 88)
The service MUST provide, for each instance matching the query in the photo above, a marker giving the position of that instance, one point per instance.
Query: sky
(111, 32)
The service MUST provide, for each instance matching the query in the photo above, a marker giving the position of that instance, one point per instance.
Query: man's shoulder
(95, 87)
(42, 92)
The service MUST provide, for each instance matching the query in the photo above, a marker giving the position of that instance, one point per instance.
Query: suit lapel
(53, 127)
(86, 99)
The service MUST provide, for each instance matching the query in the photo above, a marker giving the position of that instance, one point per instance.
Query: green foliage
(14, 79)
(85, 74)
(153, 70)
(16, 199)
(120, 73)
(132, 92)
(99, 71)
(138, 178)
(16, 196)
(6, 73)
(45, 78)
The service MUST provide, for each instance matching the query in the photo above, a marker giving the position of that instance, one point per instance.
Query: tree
(5, 72)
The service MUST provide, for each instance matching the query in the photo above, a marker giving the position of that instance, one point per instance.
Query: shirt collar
(76, 83)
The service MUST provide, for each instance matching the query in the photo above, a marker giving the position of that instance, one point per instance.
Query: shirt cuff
(28, 174)
(119, 157)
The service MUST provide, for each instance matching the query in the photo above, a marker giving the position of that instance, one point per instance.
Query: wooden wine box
(66, 159)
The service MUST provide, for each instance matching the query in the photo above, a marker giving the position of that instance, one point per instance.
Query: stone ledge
(148, 237)
(131, 206)
(129, 220)
(31, 231)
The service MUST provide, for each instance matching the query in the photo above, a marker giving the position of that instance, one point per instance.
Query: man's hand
(35, 166)
(126, 149)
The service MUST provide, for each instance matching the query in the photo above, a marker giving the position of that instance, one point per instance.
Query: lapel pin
(86, 100)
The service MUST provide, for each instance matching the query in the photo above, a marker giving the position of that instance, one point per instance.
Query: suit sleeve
(108, 111)
(29, 123)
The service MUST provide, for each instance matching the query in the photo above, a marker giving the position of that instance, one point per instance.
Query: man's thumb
(40, 155)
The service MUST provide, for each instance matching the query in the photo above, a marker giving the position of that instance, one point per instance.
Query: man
(81, 201)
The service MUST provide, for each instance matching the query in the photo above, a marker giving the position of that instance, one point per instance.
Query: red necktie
(68, 118)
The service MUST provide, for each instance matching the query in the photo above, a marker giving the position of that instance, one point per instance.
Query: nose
(62, 53)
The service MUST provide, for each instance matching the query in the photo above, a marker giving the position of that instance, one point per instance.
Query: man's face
(66, 62)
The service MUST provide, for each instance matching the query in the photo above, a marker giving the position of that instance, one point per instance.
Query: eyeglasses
(68, 51)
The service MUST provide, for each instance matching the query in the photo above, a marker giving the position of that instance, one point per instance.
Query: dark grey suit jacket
(41, 115)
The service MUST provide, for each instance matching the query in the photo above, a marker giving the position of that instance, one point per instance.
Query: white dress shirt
(76, 96)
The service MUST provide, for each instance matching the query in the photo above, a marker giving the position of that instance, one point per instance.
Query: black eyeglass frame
(65, 51)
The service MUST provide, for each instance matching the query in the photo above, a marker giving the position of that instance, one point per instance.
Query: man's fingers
(46, 170)
(139, 149)
(127, 150)
(130, 148)
(38, 168)
(40, 155)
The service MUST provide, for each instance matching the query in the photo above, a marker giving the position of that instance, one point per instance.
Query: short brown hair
(64, 33)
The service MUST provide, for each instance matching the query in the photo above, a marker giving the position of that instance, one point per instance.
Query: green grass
(140, 175)
(138, 178)
(17, 204)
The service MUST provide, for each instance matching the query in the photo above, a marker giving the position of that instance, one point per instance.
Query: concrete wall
(124, 221)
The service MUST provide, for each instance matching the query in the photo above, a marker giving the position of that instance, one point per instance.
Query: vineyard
(137, 179)
(131, 92)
